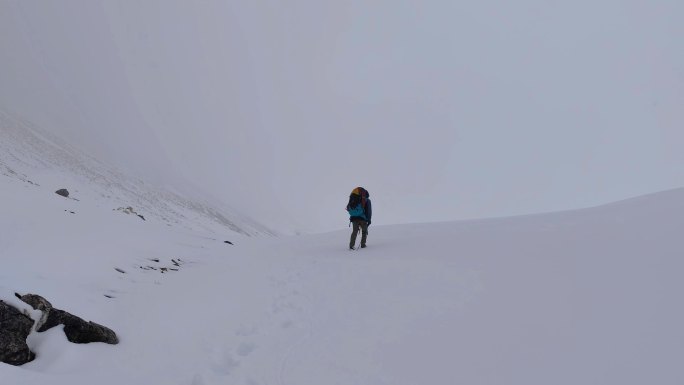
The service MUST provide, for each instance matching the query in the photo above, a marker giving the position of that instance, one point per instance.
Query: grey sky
(441, 109)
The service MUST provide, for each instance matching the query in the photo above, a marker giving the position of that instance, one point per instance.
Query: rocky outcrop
(14, 328)
(76, 329)
(63, 192)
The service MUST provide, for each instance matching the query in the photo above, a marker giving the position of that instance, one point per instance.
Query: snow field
(589, 296)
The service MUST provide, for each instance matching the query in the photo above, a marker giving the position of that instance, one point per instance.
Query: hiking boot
(363, 246)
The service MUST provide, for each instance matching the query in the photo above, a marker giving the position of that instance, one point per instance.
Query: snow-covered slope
(33, 156)
(580, 297)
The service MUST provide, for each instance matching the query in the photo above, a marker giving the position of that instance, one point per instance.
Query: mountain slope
(33, 156)
(588, 296)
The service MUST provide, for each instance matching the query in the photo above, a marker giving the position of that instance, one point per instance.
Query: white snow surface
(591, 296)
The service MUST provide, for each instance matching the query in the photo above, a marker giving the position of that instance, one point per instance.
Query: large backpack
(357, 203)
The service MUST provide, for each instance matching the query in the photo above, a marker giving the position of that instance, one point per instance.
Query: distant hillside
(31, 155)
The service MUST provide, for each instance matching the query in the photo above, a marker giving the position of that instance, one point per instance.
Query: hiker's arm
(369, 211)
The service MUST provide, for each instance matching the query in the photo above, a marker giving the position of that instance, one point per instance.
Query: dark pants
(359, 225)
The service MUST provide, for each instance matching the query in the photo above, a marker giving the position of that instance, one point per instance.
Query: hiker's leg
(364, 233)
(355, 231)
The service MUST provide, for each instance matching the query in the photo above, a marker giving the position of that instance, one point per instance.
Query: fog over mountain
(442, 109)
(156, 154)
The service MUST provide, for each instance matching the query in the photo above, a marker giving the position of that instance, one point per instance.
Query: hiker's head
(360, 191)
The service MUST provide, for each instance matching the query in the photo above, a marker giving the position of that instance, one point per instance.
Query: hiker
(360, 211)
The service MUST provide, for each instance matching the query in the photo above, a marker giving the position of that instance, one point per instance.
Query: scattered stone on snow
(76, 329)
(119, 270)
(228, 242)
(177, 262)
(63, 192)
(130, 210)
(14, 328)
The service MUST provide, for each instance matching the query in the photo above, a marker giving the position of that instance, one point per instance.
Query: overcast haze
(441, 109)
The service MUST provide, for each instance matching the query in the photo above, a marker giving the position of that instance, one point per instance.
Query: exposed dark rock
(76, 329)
(14, 328)
(119, 270)
(163, 269)
(130, 210)
(228, 242)
(37, 302)
(63, 192)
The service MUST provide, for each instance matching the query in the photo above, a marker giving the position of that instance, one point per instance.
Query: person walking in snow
(360, 212)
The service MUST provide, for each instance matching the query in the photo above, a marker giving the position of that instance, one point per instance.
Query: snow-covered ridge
(33, 156)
